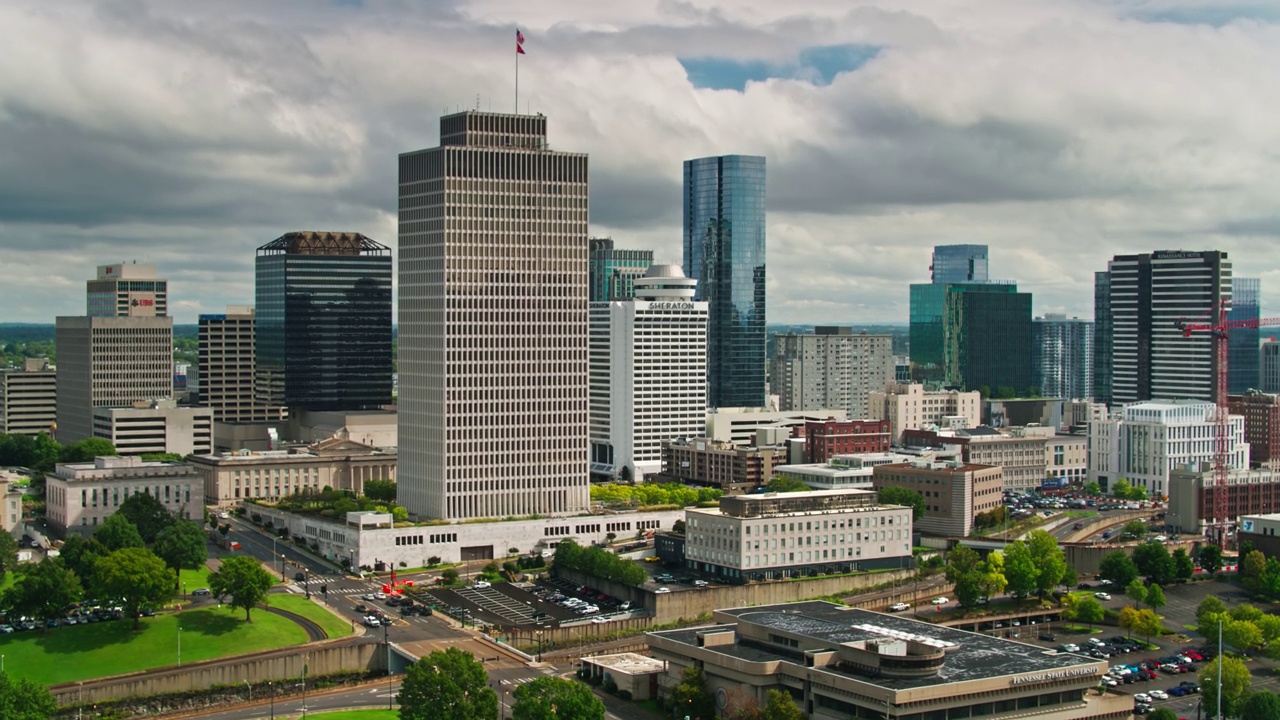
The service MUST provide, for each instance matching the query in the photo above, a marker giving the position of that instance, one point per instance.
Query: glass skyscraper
(1062, 356)
(1102, 337)
(614, 272)
(959, 264)
(1243, 360)
(987, 338)
(724, 244)
(323, 322)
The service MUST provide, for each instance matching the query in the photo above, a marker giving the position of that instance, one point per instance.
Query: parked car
(940, 601)
(482, 585)
(1142, 698)
(1189, 686)
(1158, 695)
(200, 591)
(662, 590)
(899, 607)
(1102, 596)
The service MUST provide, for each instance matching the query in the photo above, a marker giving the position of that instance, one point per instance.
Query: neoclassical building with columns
(336, 463)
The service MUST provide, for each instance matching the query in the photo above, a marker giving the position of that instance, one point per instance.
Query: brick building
(1191, 499)
(954, 492)
(733, 468)
(825, 439)
(1261, 412)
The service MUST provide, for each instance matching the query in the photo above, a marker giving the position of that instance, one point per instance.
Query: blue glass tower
(724, 241)
(959, 264)
(1244, 370)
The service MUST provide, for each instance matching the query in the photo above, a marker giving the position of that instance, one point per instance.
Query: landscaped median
(84, 652)
(334, 626)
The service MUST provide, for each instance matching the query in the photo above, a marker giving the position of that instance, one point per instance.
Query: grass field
(193, 579)
(335, 626)
(81, 652)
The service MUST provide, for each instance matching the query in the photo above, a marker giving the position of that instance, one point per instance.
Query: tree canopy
(136, 576)
(242, 578)
(8, 554)
(1210, 558)
(786, 483)
(1154, 561)
(1261, 705)
(652, 494)
(182, 546)
(380, 490)
(43, 589)
(1235, 683)
(599, 562)
(1118, 567)
(117, 533)
(449, 683)
(691, 697)
(555, 698)
(147, 514)
(1183, 568)
(22, 699)
(895, 495)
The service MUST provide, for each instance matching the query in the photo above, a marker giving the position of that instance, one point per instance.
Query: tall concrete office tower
(226, 368)
(323, 322)
(493, 322)
(1149, 294)
(1062, 356)
(121, 353)
(648, 360)
(1243, 370)
(724, 244)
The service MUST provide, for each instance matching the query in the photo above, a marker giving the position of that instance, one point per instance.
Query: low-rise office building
(1193, 503)
(156, 427)
(908, 406)
(1261, 413)
(954, 492)
(838, 663)
(775, 535)
(741, 425)
(80, 496)
(336, 463)
(828, 476)
(1262, 531)
(825, 439)
(29, 398)
(732, 468)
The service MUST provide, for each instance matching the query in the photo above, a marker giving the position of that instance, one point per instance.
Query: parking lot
(519, 604)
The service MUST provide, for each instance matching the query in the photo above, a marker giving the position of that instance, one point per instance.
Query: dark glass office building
(323, 325)
(987, 338)
(724, 244)
(1244, 371)
(614, 271)
(1102, 337)
(959, 264)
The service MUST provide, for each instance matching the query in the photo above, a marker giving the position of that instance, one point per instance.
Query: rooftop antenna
(477, 102)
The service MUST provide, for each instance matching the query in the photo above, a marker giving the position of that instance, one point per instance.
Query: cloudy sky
(1059, 133)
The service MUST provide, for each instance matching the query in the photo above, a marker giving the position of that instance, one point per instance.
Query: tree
(1183, 569)
(1147, 624)
(1241, 634)
(182, 546)
(1269, 583)
(893, 495)
(43, 589)
(786, 484)
(136, 576)
(381, 490)
(993, 581)
(1235, 682)
(117, 533)
(1092, 488)
(778, 705)
(22, 699)
(86, 450)
(677, 527)
(691, 697)
(1049, 560)
(8, 554)
(1135, 529)
(1118, 568)
(1128, 618)
(1155, 597)
(1089, 610)
(1247, 613)
(1251, 569)
(1209, 607)
(243, 578)
(1162, 714)
(1261, 705)
(1153, 561)
(399, 514)
(964, 570)
(1020, 569)
(1120, 488)
(1210, 558)
(450, 576)
(549, 698)
(449, 683)
(1137, 590)
(80, 553)
(147, 514)
(1069, 578)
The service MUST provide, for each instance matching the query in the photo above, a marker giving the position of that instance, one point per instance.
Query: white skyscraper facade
(1148, 439)
(493, 322)
(648, 359)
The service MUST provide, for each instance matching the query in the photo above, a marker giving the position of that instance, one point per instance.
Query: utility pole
(386, 641)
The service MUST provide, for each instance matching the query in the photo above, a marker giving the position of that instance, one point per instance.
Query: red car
(1194, 655)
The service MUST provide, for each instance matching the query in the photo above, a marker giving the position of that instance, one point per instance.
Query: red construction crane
(1222, 429)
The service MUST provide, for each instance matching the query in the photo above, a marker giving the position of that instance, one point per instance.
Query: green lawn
(193, 579)
(81, 652)
(335, 626)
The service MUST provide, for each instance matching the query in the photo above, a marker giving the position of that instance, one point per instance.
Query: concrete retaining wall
(276, 665)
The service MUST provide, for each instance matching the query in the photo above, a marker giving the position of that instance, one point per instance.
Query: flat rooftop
(975, 657)
(627, 663)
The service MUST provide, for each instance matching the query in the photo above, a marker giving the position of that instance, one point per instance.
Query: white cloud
(1058, 133)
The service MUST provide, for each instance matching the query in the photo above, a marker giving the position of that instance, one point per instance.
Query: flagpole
(517, 76)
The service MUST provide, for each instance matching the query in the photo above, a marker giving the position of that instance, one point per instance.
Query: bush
(433, 561)
(624, 694)
(600, 563)
(609, 686)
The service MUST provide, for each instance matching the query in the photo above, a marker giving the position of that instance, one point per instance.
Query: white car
(1110, 681)
(662, 590)
(372, 622)
(940, 601)
(379, 596)
(1102, 596)
(482, 585)
(1142, 698)
(1158, 695)
(899, 607)
(599, 620)
(1104, 581)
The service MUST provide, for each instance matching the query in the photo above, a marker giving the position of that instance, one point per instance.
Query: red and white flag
(519, 43)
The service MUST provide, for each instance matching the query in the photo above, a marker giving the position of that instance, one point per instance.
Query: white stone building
(741, 425)
(907, 406)
(1148, 439)
(80, 496)
(648, 369)
(156, 427)
(335, 463)
(772, 535)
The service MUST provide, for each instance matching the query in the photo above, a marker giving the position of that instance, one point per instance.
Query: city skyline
(887, 131)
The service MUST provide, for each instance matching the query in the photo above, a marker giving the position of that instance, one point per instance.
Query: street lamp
(539, 646)
(386, 641)
(246, 684)
(179, 646)
(271, 687)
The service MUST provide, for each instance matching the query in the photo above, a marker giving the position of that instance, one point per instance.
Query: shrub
(609, 686)
(624, 694)
(433, 561)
